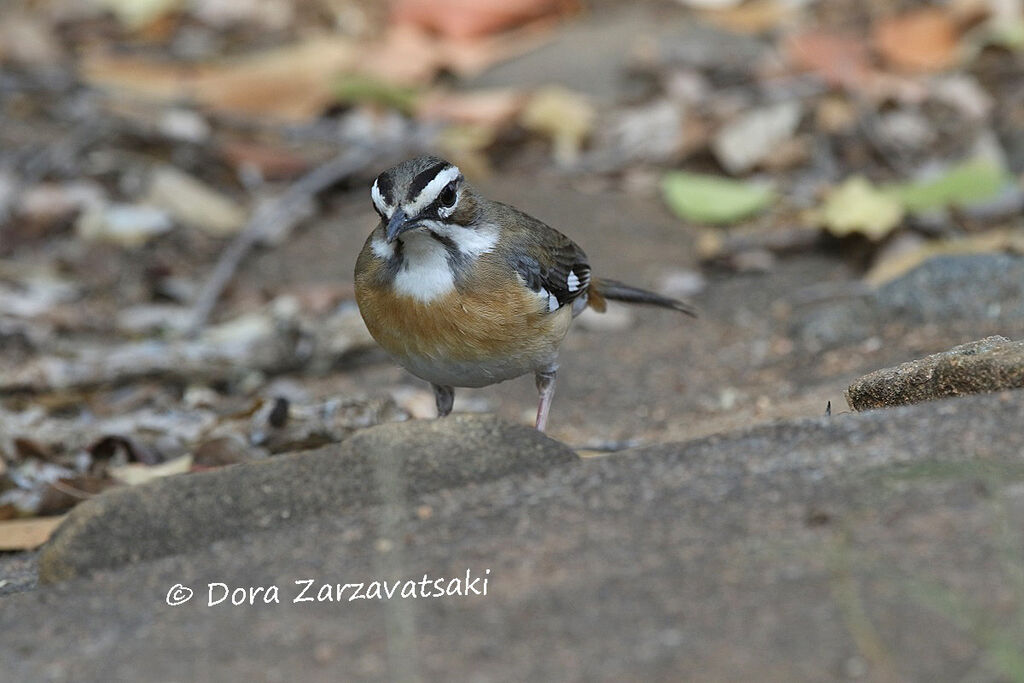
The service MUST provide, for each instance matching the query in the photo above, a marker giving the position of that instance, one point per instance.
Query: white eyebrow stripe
(379, 202)
(429, 193)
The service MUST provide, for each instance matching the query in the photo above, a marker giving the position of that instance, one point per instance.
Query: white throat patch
(425, 273)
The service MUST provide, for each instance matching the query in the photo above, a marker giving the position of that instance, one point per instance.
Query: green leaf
(713, 199)
(968, 183)
(355, 89)
(858, 206)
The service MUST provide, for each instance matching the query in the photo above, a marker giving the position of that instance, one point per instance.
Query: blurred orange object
(920, 40)
(473, 18)
(839, 59)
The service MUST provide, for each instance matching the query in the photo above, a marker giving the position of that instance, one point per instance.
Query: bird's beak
(398, 224)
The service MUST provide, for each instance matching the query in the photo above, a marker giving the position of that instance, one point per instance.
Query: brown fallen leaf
(27, 534)
(297, 82)
(839, 59)
(474, 18)
(919, 40)
(288, 83)
(754, 17)
(494, 107)
(270, 161)
(411, 55)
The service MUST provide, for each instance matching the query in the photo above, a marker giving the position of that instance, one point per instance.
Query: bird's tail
(600, 290)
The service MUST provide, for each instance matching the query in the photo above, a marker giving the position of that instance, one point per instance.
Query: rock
(184, 125)
(736, 557)
(615, 319)
(392, 461)
(747, 141)
(990, 364)
(967, 286)
(126, 225)
(50, 202)
(650, 133)
(982, 288)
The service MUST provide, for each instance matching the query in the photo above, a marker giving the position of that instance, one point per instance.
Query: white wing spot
(552, 302)
(572, 282)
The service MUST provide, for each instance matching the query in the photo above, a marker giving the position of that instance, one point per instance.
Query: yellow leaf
(857, 206)
(563, 116)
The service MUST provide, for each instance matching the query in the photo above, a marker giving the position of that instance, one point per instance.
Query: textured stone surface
(879, 545)
(186, 513)
(957, 289)
(990, 364)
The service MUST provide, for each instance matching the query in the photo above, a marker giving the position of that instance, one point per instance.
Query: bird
(463, 291)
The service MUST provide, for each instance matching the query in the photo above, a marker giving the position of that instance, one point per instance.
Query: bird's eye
(448, 196)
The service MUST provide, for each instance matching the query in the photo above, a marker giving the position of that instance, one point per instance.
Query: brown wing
(550, 263)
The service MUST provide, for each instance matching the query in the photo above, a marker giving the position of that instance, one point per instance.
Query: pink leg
(546, 387)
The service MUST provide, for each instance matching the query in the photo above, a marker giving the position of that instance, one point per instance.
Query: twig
(269, 218)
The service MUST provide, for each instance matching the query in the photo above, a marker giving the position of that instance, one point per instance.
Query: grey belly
(473, 373)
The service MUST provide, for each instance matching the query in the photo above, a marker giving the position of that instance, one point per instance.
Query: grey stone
(990, 364)
(781, 553)
(186, 513)
(960, 289)
(964, 286)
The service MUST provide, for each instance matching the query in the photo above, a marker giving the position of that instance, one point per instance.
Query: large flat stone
(186, 513)
(878, 545)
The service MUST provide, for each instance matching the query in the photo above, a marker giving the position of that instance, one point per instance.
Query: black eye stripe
(384, 186)
(423, 179)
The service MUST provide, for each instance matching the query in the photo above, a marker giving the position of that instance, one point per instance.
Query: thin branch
(270, 218)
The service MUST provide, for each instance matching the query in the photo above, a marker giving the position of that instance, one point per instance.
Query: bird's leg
(445, 397)
(546, 388)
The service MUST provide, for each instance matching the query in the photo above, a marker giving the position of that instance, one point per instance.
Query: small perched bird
(465, 292)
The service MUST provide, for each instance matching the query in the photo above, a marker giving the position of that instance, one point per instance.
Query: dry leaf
(839, 59)
(193, 202)
(298, 82)
(757, 16)
(474, 18)
(289, 83)
(137, 473)
(920, 40)
(27, 534)
(270, 161)
(494, 108)
(136, 14)
(896, 264)
(563, 116)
